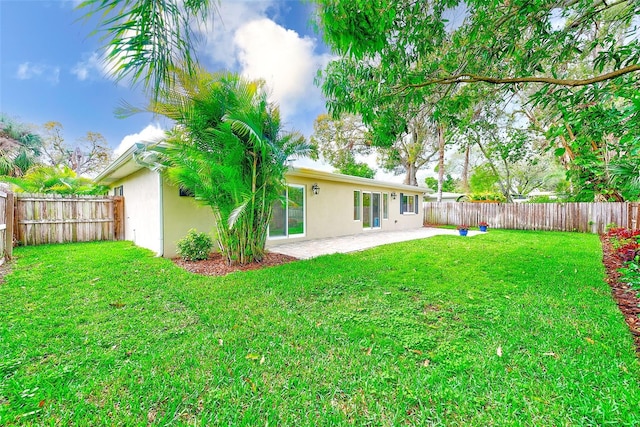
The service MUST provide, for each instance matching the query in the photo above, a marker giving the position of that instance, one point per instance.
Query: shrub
(630, 273)
(195, 246)
(543, 199)
(486, 197)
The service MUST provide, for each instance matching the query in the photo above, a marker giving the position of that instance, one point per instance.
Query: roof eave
(123, 159)
(337, 177)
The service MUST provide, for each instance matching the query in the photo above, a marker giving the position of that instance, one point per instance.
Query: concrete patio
(313, 248)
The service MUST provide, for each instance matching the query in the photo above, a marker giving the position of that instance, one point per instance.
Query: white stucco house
(157, 214)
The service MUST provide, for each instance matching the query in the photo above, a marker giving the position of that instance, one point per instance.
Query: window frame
(357, 205)
(286, 213)
(371, 221)
(385, 206)
(404, 205)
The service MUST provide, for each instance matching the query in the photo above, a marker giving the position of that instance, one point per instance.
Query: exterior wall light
(393, 195)
(316, 189)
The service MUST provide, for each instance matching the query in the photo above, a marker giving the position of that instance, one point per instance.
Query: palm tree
(147, 39)
(625, 177)
(19, 147)
(230, 151)
(54, 179)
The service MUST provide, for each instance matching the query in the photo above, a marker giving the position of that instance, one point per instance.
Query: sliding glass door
(370, 210)
(287, 218)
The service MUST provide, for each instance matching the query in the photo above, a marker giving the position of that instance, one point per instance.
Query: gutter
(337, 177)
(119, 162)
(161, 214)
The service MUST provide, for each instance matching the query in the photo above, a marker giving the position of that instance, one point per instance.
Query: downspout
(161, 211)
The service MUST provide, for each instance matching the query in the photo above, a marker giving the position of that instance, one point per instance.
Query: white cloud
(27, 71)
(93, 66)
(241, 38)
(220, 31)
(152, 133)
(83, 69)
(286, 61)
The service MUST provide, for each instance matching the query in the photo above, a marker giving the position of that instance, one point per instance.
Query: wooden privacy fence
(52, 218)
(582, 217)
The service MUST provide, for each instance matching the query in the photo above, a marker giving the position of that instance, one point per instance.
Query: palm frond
(147, 40)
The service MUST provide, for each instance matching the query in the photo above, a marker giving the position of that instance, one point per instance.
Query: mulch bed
(627, 299)
(216, 265)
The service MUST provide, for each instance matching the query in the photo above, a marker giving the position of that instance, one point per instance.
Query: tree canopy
(453, 41)
(338, 141)
(575, 61)
(88, 156)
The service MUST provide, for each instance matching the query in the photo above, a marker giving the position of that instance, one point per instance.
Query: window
(408, 204)
(356, 205)
(287, 218)
(185, 192)
(118, 191)
(385, 206)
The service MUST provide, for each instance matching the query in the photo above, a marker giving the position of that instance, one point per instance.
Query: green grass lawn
(506, 328)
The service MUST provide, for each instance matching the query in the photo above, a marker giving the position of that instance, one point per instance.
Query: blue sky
(51, 68)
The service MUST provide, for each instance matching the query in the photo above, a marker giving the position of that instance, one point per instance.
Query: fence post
(8, 232)
(632, 215)
(118, 218)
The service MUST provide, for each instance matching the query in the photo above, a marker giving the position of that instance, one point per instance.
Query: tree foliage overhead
(493, 41)
(405, 51)
(578, 60)
(228, 149)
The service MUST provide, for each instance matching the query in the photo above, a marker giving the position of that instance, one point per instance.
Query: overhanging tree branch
(473, 78)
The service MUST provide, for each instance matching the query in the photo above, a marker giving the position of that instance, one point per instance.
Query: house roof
(122, 166)
(337, 177)
(125, 165)
(445, 195)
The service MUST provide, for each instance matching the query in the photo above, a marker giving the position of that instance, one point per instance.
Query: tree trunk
(465, 171)
(440, 161)
(410, 175)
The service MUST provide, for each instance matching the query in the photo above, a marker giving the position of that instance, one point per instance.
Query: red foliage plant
(625, 242)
